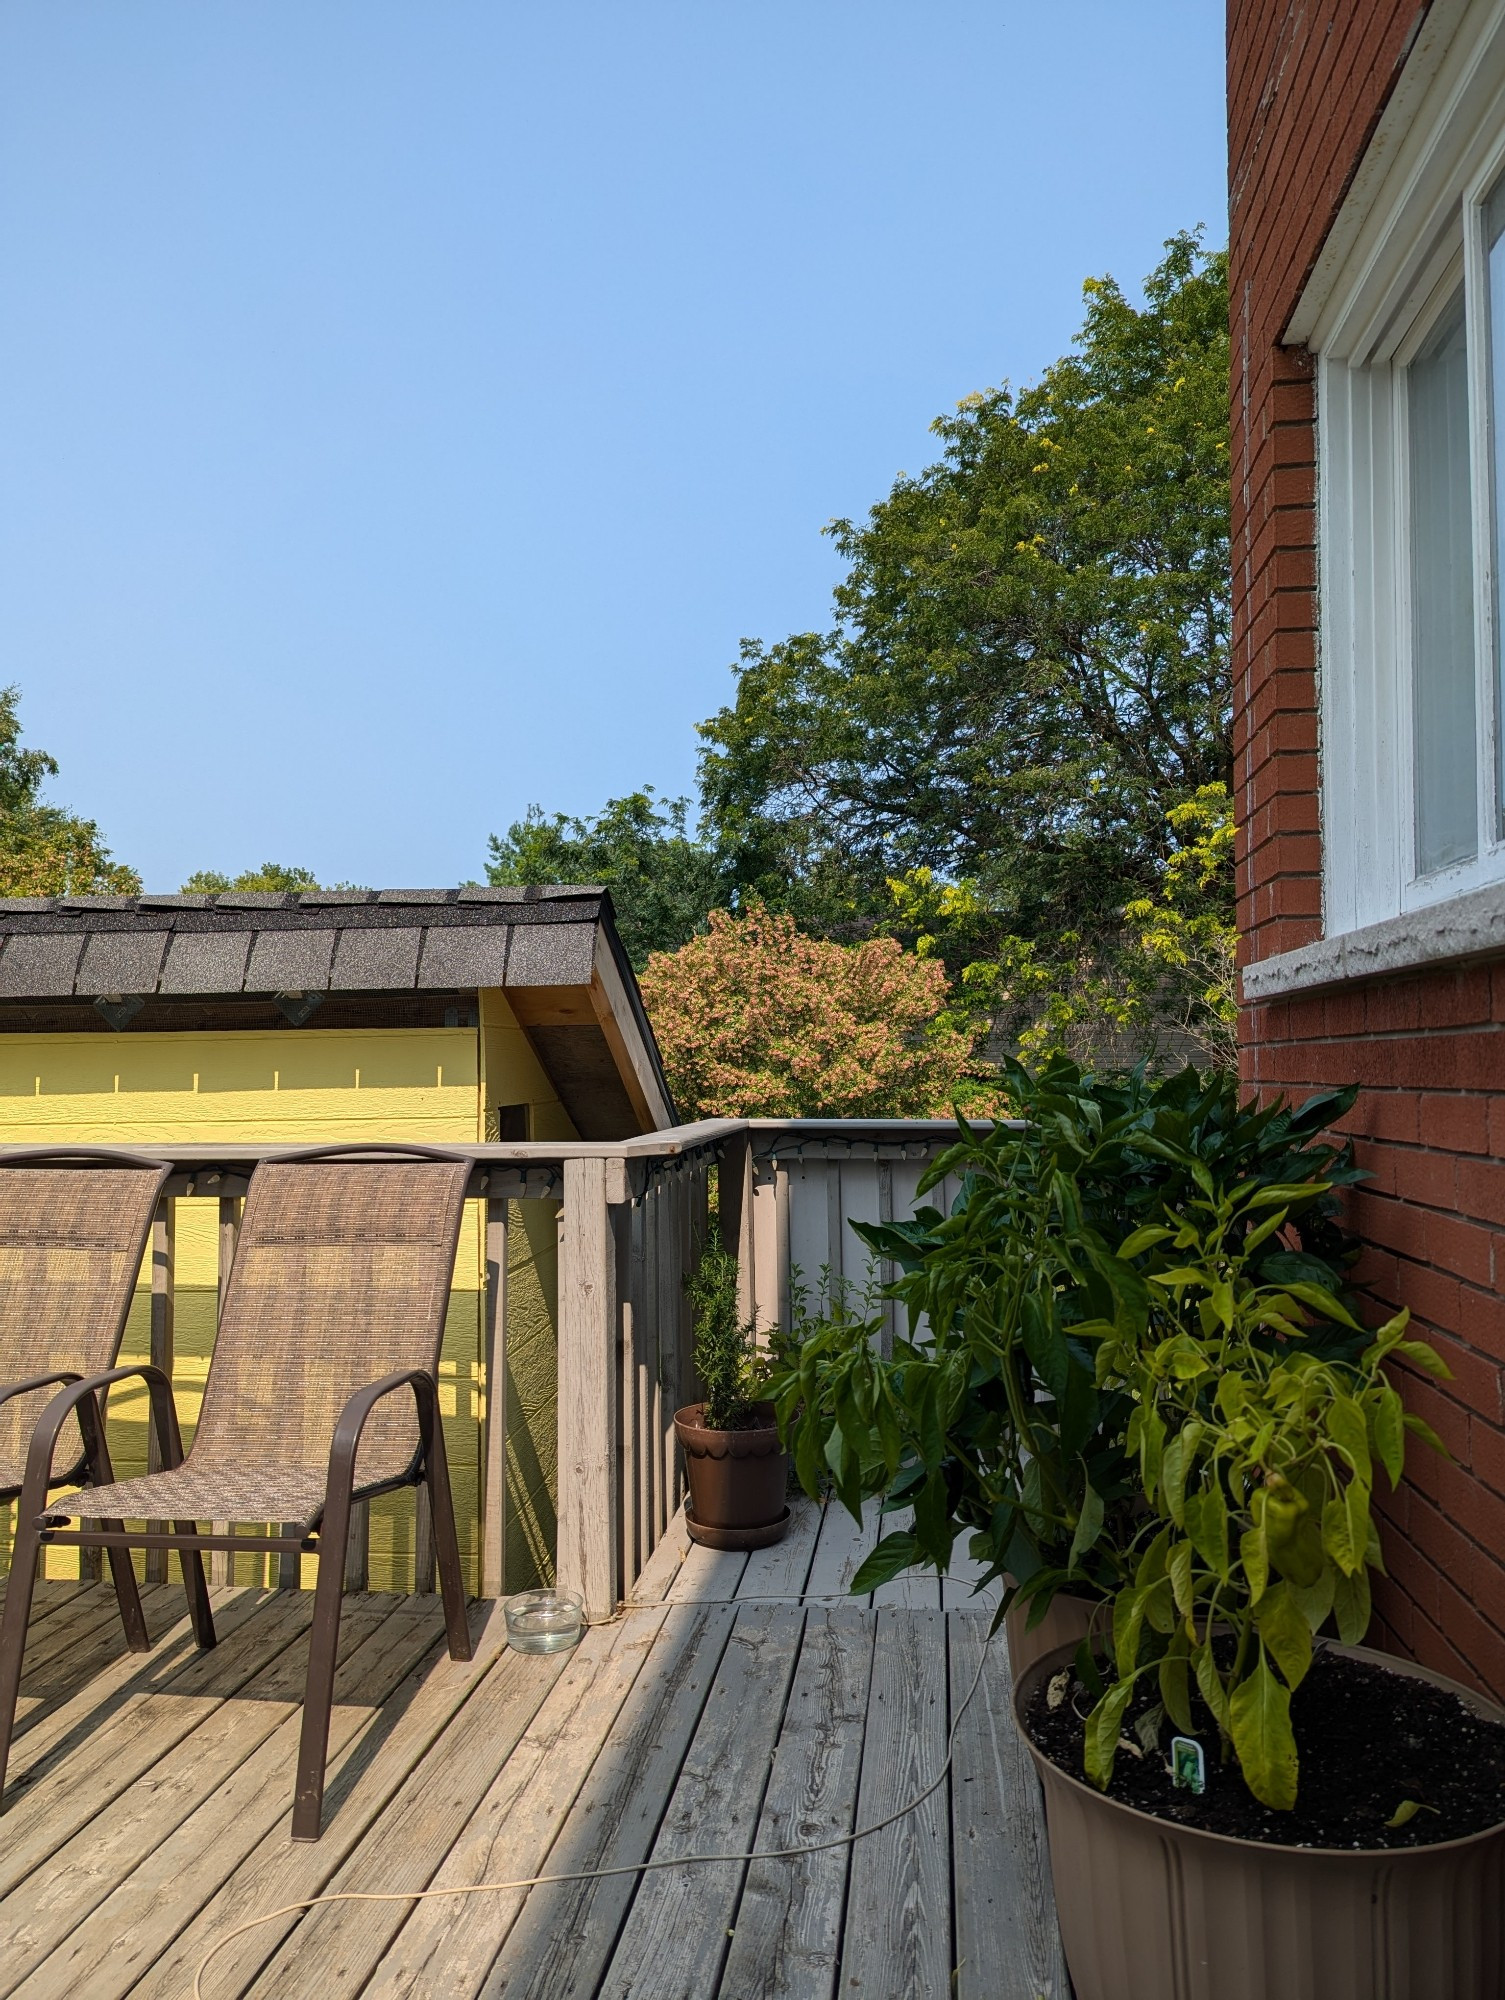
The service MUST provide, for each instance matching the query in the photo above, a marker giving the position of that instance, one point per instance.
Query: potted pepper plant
(1240, 1805)
(735, 1463)
(991, 1420)
(1134, 1374)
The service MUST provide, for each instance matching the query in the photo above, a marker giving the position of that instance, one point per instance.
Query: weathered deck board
(755, 1704)
(60, 1795)
(782, 1571)
(898, 1920)
(362, 1781)
(787, 1933)
(335, 1949)
(959, 1588)
(82, 1636)
(841, 1551)
(565, 1936)
(49, 1594)
(1007, 1945)
(662, 1567)
(707, 1573)
(448, 1945)
(137, 1821)
(177, 1873)
(914, 1589)
(675, 1935)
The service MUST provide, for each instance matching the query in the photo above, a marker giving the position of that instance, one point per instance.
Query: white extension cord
(602, 1874)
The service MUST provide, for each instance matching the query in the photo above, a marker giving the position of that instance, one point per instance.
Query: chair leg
(199, 1613)
(13, 1622)
(127, 1595)
(446, 1543)
(323, 1656)
(122, 1570)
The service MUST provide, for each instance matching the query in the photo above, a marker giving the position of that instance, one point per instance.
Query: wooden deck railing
(633, 1219)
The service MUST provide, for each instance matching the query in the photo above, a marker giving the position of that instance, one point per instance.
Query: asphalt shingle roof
(336, 941)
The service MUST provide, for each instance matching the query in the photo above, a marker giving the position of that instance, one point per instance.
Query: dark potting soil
(1367, 1739)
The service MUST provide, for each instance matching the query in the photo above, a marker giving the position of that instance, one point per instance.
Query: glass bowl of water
(544, 1621)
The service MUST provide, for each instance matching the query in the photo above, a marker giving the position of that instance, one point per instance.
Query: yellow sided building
(269, 1019)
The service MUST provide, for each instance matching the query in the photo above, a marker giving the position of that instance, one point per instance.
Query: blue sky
(406, 408)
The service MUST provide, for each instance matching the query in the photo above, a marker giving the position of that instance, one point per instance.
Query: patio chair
(322, 1391)
(73, 1228)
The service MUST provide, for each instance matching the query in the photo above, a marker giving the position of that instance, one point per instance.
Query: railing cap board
(675, 1142)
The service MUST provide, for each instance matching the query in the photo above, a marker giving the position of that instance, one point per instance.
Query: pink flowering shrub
(756, 1020)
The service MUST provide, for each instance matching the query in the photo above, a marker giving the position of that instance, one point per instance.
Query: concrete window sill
(1452, 933)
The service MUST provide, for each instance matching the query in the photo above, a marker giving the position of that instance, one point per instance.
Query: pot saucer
(737, 1538)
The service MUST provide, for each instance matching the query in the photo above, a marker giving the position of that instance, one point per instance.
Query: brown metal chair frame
(327, 1537)
(91, 1468)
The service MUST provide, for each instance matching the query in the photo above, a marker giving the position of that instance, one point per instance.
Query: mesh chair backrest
(342, 1275)
(72, 1238)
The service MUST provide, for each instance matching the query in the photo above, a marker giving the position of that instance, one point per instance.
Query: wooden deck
(741, 1702)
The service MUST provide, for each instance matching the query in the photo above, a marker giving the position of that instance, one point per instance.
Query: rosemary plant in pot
(737, 1468)
(1241, 1807)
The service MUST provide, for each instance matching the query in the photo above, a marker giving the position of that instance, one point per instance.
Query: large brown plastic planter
(1153, 1911)
(1067, 1622)
(738, 1481)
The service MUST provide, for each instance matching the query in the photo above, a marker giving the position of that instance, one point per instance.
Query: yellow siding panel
(286, 1087)
(272, 1087)
(280, 1086)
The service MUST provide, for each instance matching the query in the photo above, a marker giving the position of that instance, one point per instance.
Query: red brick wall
(1306, 83)
(1429, 1127)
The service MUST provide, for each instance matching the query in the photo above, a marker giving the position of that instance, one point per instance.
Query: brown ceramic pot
(1150, 1910)
(738, 1480)
(1066, 1623)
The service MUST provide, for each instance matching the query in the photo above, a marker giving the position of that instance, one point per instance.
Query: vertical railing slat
(221, 1561)
(642, 1349)
(630, 1555)
(493, 1482)
(664, 1333)
(289, 1562)
(672, 1394)
(588, 1474)
(164, 1227)
(358, 1548)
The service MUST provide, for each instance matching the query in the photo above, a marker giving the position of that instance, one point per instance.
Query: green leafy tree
(271, 875)
(1160, 982)
(46, 850)
(1028, 671)
(664, 881)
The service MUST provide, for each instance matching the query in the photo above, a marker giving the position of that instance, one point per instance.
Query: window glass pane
(1442, 599)
(1494, 238)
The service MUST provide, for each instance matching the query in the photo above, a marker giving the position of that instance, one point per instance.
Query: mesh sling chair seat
(322, 1391)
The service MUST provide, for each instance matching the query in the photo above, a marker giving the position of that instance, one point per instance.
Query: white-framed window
(1408, 325)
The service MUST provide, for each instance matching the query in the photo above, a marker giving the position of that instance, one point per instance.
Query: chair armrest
(347, 1432)
(14, 1389)
(84, 1388)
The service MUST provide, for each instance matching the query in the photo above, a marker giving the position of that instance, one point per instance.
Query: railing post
(163, 1240)
(589, 1497)
(221, 1561)
(493, 1482)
